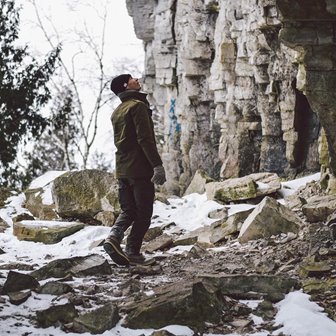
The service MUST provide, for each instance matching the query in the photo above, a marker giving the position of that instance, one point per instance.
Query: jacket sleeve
(145, 133)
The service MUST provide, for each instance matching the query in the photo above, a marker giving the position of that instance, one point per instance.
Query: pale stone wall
(229, 94)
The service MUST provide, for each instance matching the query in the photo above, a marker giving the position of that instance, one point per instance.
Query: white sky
(64, 20)
(67, 15)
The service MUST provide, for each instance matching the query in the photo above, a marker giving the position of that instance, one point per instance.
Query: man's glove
(159, 176)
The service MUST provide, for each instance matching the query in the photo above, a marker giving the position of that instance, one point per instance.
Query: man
(138, 167)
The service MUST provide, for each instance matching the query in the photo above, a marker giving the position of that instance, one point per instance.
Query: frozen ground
(297, 315)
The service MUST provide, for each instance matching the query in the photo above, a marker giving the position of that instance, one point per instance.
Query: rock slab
(180, 303)
(97, 321)
(243, 188)
(17, 281)
(76, 266)
(267, 219)
(45, 232)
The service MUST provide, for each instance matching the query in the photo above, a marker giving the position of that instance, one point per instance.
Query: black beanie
(119, 83)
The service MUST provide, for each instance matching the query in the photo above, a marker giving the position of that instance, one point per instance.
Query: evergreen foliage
(55, 149)
(23, 92)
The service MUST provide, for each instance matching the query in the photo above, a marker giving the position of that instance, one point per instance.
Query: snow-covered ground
(297, 315)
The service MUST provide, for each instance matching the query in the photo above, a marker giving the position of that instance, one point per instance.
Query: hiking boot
(139, 259)
(113, 249)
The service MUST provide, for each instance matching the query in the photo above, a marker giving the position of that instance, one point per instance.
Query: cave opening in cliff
(306, 124)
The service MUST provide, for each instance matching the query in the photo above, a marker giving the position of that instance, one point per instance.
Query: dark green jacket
(134, 137)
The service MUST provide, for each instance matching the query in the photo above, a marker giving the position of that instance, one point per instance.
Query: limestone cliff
(239, 86)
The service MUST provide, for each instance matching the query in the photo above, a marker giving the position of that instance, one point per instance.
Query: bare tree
(88, 44)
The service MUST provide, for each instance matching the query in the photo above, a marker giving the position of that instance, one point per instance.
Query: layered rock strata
(239, 86)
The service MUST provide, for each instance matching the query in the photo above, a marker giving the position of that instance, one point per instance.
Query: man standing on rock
(138, 167)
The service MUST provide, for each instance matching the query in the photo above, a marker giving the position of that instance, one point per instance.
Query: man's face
(133, 84)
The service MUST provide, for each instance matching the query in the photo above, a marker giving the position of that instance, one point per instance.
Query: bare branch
(88, 43)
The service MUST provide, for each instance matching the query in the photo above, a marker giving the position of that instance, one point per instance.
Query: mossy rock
(83, 194)
(41, 231)
(243, 188)
(318, 286)
(314, 269)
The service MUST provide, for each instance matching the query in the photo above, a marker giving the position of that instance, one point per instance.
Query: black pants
(136, 198)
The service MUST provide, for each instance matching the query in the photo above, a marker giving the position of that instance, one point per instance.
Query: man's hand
(159, 176)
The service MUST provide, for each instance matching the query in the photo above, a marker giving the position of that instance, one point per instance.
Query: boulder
(243, 188)
(76, 266)
(182, 303)
(153, 233)
(56, 314)
(318, 286)
(266, 310)
(221, 213)
(198, 251)
(159, 243)
(18, 266)
(231, 225)
(55, 288)
(189, 238)
(83, 194)
(46, 232)
(22, 216)
(318, 208)
(198, 182)
(201, 235)
(17, 298)
(97, 321)
(267, 219)
(16, 282)
(314, 269)
(243, 286)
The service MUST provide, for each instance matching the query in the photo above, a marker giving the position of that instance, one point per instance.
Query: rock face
(239, 86)
(309, 28)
